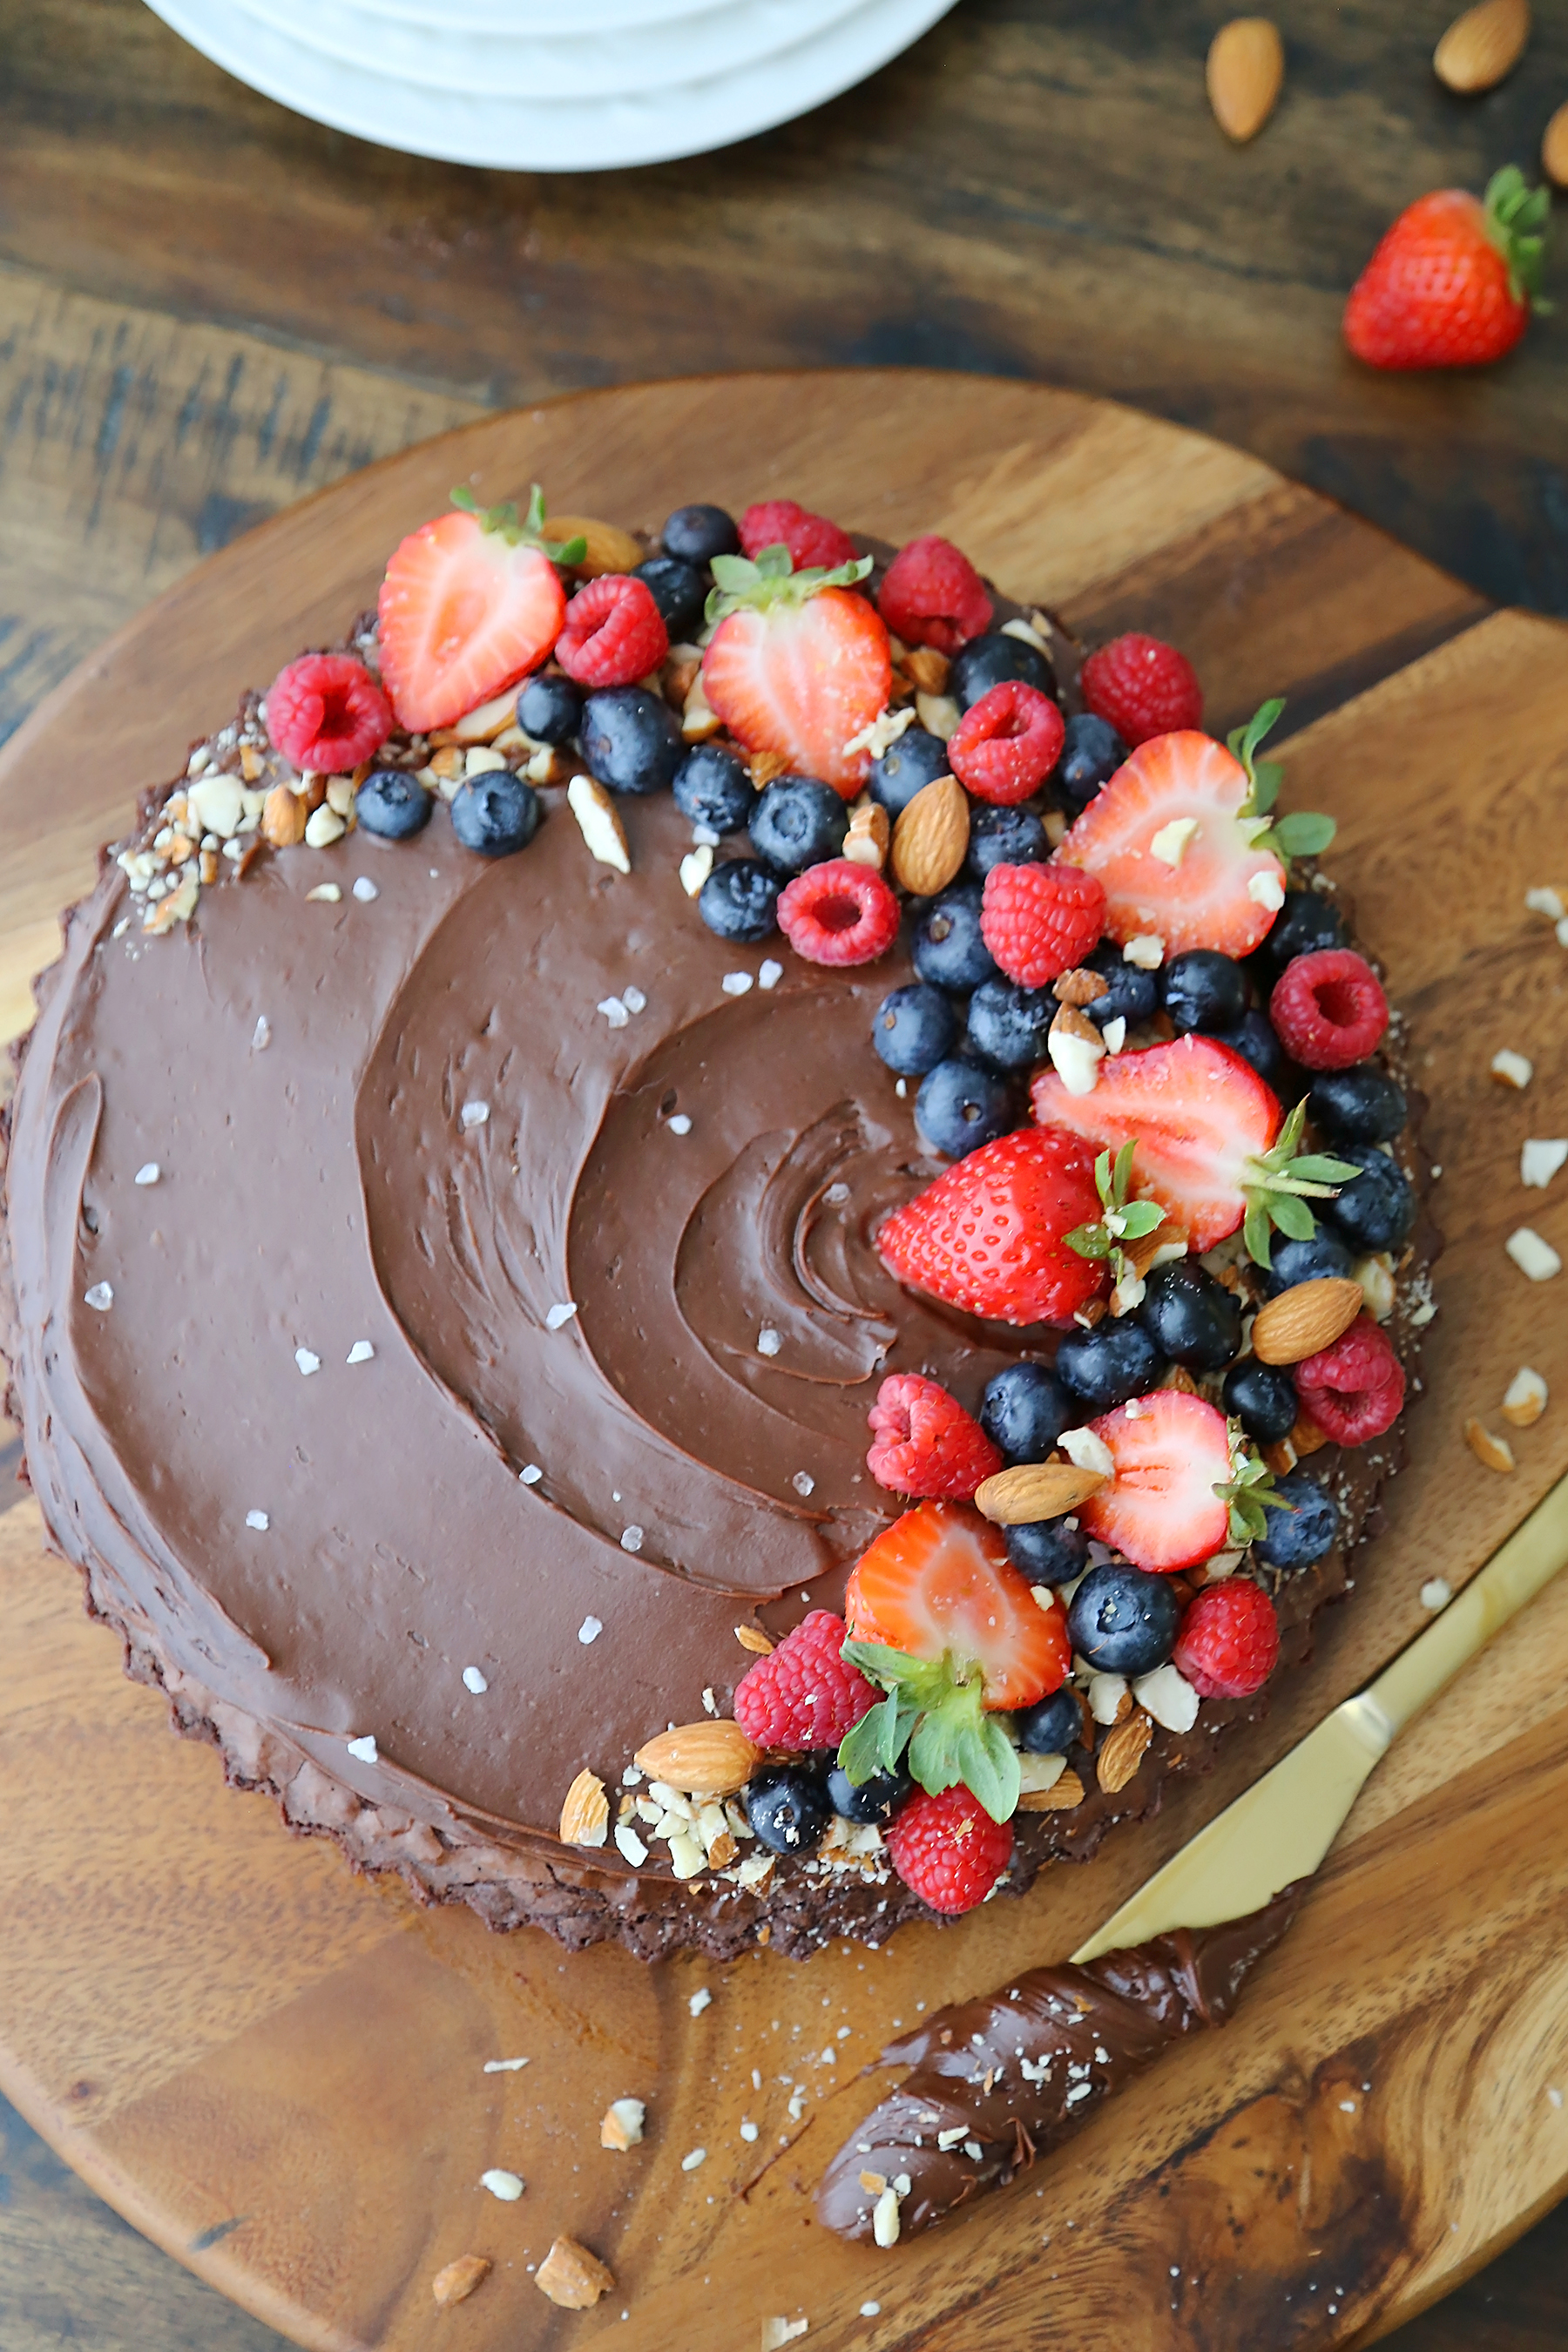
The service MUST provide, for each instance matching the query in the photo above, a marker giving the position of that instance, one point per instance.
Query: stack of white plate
(550, 85)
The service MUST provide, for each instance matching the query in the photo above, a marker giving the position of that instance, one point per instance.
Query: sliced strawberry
(1172, 1451)
(469, 602)
(1204, 899)
(1199, 1115)
(798, 664)
(989, 1235)
(938, 1583)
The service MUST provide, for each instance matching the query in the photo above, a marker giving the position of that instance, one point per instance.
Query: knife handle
(1514, 1575)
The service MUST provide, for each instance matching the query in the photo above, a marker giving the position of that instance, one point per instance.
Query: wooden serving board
(278, 2071)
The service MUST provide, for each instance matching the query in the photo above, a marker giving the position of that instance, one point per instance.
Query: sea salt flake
(473, 1680)
(561, 1315)
(836, 1194)
(261, 1036)
(748, 2131)
(364, 1750)
(101, 1296)
(631, 1537)
(736, 983)
(804, 1482)
(474, 1114)
(680, 1124)
(1436, 1595)
(365, 889)
(150, 1171)
(307, 1361)
(590, 1629)
(699, 2000)
(769, 1341)
(705, 837)
(778, 2332)
(633, 1000)
(504, 2065)
(615, 1011)
(259, 1521)
(360, 1353)
(770, 974)
(508, 2186)
(1540, 1159)
(871, 2310)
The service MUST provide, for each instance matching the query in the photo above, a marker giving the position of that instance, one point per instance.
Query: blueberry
(797, 823)
(1253, 1038)
(915, 1028)
(1310, 1261)
(1023, 1411)
(875, 1800)
(916, 760)
(1377, 1209)
(713, 788)
(1297, 1538)
(1052, 1725)
(697, 534)
(1007, 1025)
(631, 739)
(985, 661)
(678, 590)
(1262, 1397)
(393, 803)
(961, 1105)
(1124, 1621)
(495, 813)
(947, 948)
(1115, 1361)
(1132, 994)
(1203, 990)
(788, 1807)
(550, 708)
(740, 899)
(1363, 1104)
(1307, 921)
(1090, 756)
(1048, 1551)
(1194, 1320)
(1004, 836)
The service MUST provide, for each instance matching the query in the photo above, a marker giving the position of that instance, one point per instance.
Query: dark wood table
(210, 306)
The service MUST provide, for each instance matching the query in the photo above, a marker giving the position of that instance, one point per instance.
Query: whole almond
(1482, 45)
(1035, 1490)
(610, 548)
(1554, 147)
(1306, 1318)
(586, 1814)
(283, 815)
(1246, 72)
(931, 838)
(572, 2276)
(753, 1638)
(714, 1756)
(458, 2280)
(1060, 1796)
(1123, 1751)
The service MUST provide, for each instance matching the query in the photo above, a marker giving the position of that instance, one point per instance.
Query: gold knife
(1282, 1826)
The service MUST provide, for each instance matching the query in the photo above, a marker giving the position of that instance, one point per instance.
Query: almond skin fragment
(931, 836)
(1494, 1453)
(1080, 988)
(1482, 45)
(926, 669)
(714, 1756)
(456, 2283)
(1246, 72)
(610, 548)
(1123, 1751)
(1035, 1490)
(1525, 1400)
(573, 2277)
(1060, 1796)
(585, 1815)
(1307, 1318)
(1307, 1437)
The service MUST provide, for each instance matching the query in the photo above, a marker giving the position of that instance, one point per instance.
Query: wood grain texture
(1038, 188)
(286, 2087)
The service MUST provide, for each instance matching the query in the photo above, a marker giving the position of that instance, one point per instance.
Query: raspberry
(804, 1695)
(1143, 687)
(326, 713)
(933, 596)
(813, 541)
(1039, 921)
(838, 912)
(1354, 1390)
(1229, 1641)
(1329, 1009)
(613, 633)
(926, 1444)
(949, 1850)
(1006, 744)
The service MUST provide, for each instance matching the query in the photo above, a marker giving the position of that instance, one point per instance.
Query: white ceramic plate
(705, 37)
(585, 134)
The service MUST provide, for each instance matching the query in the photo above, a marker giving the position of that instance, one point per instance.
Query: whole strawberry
(990, 1235)
(804, 1695)
(947, 1850)
(925, 1444)
(1452, 283)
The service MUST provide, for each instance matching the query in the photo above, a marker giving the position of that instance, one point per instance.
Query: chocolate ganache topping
(998, 2082)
